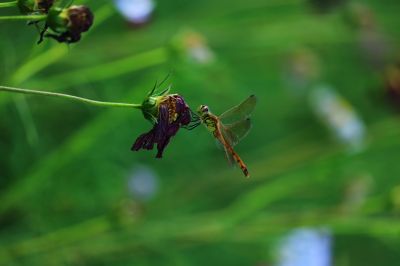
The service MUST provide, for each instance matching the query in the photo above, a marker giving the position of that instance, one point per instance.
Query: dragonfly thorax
(207, 118)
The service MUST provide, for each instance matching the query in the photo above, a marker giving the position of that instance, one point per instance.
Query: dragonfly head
(202, 110)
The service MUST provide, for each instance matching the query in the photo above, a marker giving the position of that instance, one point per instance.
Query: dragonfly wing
(221, 146)
(230, 158)
(234, 133)
(225, 136)
(223, 142)
(239, 112)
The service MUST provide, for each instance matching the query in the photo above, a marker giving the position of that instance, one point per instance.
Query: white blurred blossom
(135, 11)
(143, 183)
(339, 116)
(301, 69)
(306, 247)
(195, 47)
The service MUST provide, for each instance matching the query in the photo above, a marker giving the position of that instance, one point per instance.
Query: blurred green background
(67, 176)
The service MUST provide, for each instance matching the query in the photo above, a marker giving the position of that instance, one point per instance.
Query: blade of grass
(108, 70)
(8, 4)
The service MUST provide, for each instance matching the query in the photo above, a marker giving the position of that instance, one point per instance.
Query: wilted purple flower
(168, 113)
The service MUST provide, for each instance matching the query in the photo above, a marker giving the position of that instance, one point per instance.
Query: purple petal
(173, 129)
(164, 141)
(163, 120)
(180, 104)
(144, 141)
(185, 117)
(149, 144)
(161, 146)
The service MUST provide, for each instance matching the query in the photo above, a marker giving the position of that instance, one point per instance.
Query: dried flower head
(168, 113)
(68, 24)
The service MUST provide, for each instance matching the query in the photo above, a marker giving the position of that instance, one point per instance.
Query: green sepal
(150, 108)
(57, 19)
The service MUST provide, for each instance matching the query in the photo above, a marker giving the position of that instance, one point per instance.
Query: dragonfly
(229, 128)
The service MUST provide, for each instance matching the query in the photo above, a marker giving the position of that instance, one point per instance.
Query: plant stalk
(25, 17)
(70, 97)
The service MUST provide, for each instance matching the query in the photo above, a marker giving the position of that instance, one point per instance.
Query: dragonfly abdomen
(232, 152)
(239, 161)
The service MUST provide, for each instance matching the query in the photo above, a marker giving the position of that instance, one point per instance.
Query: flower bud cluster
(65, 25)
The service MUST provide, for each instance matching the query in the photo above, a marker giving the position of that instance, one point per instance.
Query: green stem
(70, 97)
(27, 17)
(8, 4)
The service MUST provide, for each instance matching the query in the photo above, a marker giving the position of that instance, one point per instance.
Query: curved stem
(27, 17)
(70, 97)
(8, 4)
